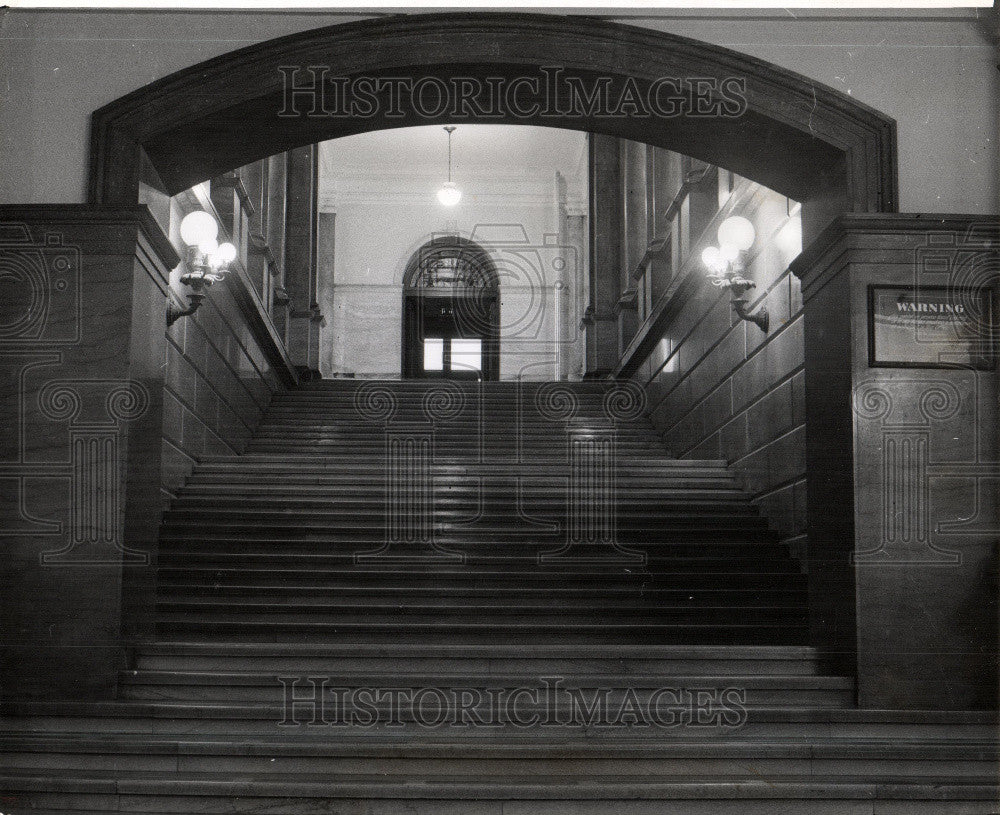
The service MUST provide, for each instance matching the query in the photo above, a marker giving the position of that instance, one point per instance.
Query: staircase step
(469, 614)
(472, 577)
(264, 498)
(482, 660)
(850, 760)
(183, 512)
(278, 793)
(450, 631)
(687, 544)
(248, 559)
(437, 595)
(275, 584)
(215, 718)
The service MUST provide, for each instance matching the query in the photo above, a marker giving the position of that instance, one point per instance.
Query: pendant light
(449, 194)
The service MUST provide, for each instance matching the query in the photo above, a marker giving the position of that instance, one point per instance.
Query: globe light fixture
(198, 227)
(738, 232)
(206, 261)
(712, 258)
(449, 194)
(225, 254)
(726, 263)
(728, 252)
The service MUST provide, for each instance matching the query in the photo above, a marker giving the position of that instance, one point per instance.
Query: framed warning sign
(930, 327)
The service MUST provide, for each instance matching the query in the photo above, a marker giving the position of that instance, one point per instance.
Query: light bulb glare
(737, 231)
(729, 252)
(449, 194)
(198, 227)
(226, 253)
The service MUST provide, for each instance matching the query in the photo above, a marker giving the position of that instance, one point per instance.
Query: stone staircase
(460, 598)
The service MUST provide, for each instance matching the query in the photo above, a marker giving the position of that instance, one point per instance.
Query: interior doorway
(451, 312)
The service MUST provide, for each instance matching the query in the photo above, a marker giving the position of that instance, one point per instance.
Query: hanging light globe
(449, 194)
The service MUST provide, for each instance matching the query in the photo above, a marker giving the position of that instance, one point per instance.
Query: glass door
(452, 357)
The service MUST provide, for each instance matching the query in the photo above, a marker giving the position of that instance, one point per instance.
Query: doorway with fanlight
(451, 312)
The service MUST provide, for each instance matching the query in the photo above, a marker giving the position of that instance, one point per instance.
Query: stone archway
(803, 139)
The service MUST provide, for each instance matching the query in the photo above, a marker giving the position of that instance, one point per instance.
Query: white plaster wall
(933, 71)
(380, 223)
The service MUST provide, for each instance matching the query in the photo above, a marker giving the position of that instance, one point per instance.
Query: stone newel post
(82, 350)
(902, 457)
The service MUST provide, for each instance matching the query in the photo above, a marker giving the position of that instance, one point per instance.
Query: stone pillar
(82, 350)
(634, 240)
(304, 316)
(277, 192)
(326, 271)
(570, 283)
(235, 210)
(903, 465)
(600, 320)
(575, 231)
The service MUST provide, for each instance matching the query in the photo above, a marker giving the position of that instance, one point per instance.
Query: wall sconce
(726, 263)
(206, 260)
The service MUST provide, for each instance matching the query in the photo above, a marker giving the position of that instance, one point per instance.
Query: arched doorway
(451, 312)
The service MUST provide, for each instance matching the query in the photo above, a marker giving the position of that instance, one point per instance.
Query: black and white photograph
(497, 409)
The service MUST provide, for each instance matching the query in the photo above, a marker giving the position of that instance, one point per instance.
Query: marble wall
(81, 357)
(721, 388)
(106, 412)
(221, 368)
